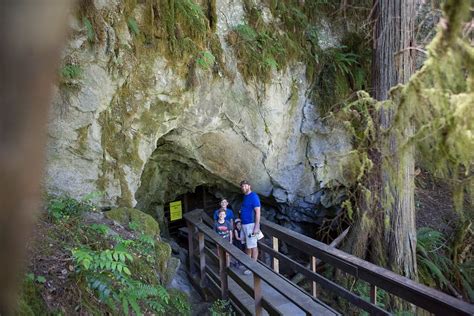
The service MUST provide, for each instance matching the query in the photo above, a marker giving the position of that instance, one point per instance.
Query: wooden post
(373, 294)
(202, 258)
(191, 247)
(257, 294)
(223, 272)
(276, 263)
(313, 268)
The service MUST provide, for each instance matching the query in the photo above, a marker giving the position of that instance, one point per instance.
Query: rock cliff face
(126, 121)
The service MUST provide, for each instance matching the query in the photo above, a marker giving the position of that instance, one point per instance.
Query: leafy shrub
(71, 72)
(178, 303)
(205, 60)
(435, 266)
(108, 275)
(259, 52)
(363, 290)
(221, 308)
(133, 26)
(101, 229)
(89, 29)
(38, 278)
(62, 207)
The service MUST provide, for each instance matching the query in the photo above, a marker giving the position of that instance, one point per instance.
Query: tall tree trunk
(384, 228)
(393, 63)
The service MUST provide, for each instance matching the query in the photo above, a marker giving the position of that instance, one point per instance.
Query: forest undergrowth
(80, 262)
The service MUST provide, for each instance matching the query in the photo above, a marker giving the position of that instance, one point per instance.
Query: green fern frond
(89, 29)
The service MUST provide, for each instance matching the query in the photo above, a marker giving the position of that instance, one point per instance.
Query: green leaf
(30, 277)
(125, 305)
(133, 26)
(89, 29)
(135, 306)
(86, 263)
(40, 279)
(205, 60)
(127, 271)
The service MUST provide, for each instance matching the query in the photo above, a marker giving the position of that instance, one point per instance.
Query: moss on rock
(163, 254)
(171, 268)
(144, 222)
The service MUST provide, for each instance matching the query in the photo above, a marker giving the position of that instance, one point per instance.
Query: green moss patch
(137, 219)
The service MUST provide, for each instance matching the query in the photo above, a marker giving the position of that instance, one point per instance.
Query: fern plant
(205, 60)
(107, 260)
(340, 60)
(133, 26)
(70, 72)
(100, 229)
(432, 267)
(435, 266)
(107, 273)
(221, 308)
(90, 32)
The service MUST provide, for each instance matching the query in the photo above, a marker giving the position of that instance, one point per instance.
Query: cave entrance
(173, 210)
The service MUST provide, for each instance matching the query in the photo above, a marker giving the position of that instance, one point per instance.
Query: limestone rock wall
(129, 125)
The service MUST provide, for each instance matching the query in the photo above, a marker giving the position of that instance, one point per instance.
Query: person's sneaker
(247, 272)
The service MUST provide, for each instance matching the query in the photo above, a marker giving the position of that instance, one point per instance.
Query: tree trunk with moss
(393, 63)
(384, 230)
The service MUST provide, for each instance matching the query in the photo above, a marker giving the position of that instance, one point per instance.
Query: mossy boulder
(135, 219)
(163, 254)
(171, 269)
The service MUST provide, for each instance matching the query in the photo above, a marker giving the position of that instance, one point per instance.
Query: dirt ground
(434, 204)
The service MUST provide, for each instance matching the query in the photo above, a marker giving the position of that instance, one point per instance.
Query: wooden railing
(377, 277)
(199, 231)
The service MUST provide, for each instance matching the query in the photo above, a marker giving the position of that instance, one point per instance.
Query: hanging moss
(177, 30)
(437, 103)
(292, 36)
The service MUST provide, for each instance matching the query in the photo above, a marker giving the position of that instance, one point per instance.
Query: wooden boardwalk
(242, 289)
(281, 303)
(267, 292)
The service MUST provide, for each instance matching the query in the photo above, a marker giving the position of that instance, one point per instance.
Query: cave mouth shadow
(203, 197)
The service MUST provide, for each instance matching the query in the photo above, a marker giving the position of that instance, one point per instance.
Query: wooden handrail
(305, 303)
(326, 283)
(429, 299)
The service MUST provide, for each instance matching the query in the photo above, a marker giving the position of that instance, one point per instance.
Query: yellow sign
(176, 212)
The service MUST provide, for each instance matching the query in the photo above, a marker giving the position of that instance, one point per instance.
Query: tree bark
(393, 63)
(31, 34)
(384, 228)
